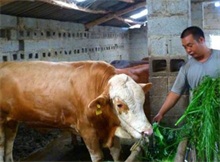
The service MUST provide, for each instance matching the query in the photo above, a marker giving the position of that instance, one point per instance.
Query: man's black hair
(195, 31)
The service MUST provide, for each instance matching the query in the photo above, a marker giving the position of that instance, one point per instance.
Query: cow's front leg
(10, 132)
(115, 150)
(2, 142)
(93, 146)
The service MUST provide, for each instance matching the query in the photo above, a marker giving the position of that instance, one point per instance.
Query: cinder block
(177, 7)
(31, 55)
(4, 33)
(175, 46)
(54, 25)
(175, 63)
(54, 55)
(33, 45)
(55, 43)
(211, 16)
(44, 55)
(172, 115)
(13, 34)
(42, 34)
(177, 111)
(9, 34)
(180, 106)
(29, 34)
(156, 102)
(159, 87)
(26, 34)
(158, 65)
(52, 34)
(21, 55)
(9, 45)
(10, 56)
(39, 34)
(4, 57)
(166, 65)
(35, 34)
(168, 25)
(157, 45)
(7, 21)
(28, 23)
(171, 80)
(22, 35)
(42, 24)
(15, 56)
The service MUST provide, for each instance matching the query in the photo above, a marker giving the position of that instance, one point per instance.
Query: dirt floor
(31, 145)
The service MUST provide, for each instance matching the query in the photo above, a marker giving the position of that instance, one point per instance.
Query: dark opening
(4, 58)
(159, 65)
(175, 64)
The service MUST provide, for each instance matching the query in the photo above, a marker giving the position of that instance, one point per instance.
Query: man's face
(193, 47)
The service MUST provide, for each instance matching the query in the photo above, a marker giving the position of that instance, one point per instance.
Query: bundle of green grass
(200, 126)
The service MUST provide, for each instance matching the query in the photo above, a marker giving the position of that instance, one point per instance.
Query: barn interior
(75, 30)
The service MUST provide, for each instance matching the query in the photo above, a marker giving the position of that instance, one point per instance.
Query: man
(203, 61)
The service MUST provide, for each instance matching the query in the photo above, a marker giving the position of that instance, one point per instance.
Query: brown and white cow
(86, 97)
(139, 71)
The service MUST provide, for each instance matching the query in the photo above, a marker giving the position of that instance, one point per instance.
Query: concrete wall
(166, 20)
(37, 39)
(138, 43)
(207, 16)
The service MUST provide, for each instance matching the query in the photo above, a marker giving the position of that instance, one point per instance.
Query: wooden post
(181, 151)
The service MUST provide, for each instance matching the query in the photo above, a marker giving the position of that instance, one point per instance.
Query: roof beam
(128, 1)
(5, 2)
(112, 15)
(128, 21)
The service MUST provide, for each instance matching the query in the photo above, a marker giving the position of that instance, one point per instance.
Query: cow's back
(50, 92)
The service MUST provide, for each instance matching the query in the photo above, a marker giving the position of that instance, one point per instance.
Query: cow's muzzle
(148, 132)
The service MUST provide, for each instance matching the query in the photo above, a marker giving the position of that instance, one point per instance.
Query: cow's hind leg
(10, 132)
(2, 142)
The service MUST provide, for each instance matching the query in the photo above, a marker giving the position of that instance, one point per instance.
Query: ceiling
(89, 12)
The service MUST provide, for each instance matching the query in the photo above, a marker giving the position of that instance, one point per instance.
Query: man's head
(193, 40)
(195, 31)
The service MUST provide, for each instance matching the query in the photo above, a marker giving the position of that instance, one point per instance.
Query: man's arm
(170, 101)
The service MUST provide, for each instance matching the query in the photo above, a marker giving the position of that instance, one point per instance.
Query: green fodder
(201, 126)
(202, 118)
(162, 146)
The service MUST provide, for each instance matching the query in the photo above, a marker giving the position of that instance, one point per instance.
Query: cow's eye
(120, 105)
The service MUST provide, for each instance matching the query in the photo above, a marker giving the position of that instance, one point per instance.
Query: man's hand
(158, 118)
(170, 101)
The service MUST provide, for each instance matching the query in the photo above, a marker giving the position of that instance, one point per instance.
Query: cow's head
(127, 98)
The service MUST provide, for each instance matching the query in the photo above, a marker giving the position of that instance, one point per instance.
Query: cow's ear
(146, 87)
(99, 103)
